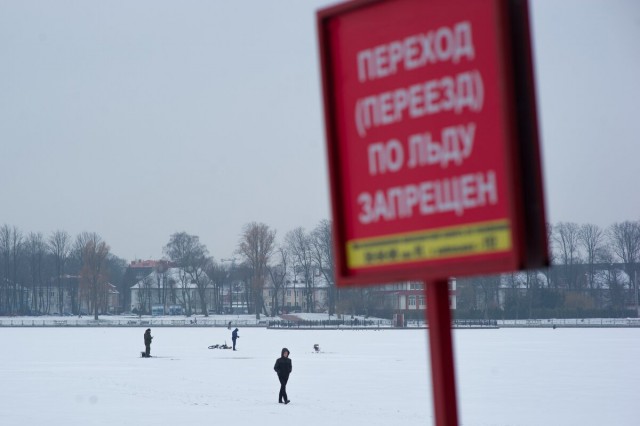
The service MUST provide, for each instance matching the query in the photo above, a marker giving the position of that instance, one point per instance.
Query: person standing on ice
(283, 368)
(147, 343)
(234, 337)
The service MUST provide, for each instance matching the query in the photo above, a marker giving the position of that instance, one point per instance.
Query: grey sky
(138, 119)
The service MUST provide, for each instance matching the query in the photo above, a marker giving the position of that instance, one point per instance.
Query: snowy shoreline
(304, 322)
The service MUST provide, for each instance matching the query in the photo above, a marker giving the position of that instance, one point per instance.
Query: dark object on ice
(234, 337)
(283, 368)
(316, 347)
(223, 346)
(229, 326)
(147, 343)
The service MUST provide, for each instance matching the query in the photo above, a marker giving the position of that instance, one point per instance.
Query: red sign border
(526, 200)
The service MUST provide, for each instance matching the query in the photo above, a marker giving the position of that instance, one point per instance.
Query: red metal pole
(441, 348)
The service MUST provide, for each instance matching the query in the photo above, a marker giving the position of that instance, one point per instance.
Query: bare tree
(5, 271)
(145, 295)
(625, 244)
(59, 245)
(36, 249)
(322, 253)
(591, 238)
(615, 283)
(244, 283)
(218, 276)
(567, 245)
(11, 246)
(299, 245)
(93, 275)
(80, 242)
(75, 262)
(228, 277)
(192, 257)
(165, 284)
(256, 247)
(278, 275)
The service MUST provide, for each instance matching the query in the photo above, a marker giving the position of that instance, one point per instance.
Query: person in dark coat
(234, 337)
(283, 368)
(147, 343)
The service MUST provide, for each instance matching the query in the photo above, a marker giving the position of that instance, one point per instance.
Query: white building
(169, 288)
(295, 294)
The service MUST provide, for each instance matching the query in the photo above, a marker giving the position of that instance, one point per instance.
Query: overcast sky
(139, 119)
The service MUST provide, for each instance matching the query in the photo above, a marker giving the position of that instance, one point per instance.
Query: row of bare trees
(37, 271)
(588, 262)
(301, 254)
(305, 255)
(591, 245)
(593, 270)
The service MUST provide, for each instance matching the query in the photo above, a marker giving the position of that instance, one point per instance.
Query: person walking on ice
(147, 343)
(234, 337)
(283, 368)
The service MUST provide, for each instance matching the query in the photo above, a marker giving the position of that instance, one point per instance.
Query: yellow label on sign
(442, 243)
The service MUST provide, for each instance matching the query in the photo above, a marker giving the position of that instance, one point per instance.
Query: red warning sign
(424, 141)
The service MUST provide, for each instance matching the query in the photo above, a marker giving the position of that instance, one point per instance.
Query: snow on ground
(94, 376)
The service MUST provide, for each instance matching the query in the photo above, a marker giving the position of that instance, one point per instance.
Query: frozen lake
(95, 376)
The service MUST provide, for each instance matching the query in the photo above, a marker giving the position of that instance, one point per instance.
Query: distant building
(163, 289)
(170, 287)
(297, 295)
(136, 271)
(406, 298)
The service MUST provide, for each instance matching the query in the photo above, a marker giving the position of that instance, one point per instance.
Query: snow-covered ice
(95, 376)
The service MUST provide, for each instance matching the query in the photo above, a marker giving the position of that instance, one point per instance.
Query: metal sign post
(441, 350)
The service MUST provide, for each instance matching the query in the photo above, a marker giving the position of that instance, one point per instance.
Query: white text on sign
(455, 194)
(415, 51)
(455, 145)
(462, 92)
